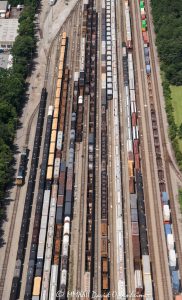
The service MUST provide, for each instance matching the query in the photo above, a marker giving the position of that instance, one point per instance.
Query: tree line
(12, 87)
(167, 16)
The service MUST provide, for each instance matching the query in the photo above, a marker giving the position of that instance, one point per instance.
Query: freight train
(20, 179)
(165, 201)
(141, 259)
(44, 224)
(15, 288)
(105, 276)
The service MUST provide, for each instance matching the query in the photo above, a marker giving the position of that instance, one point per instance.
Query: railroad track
(15, 208)
(167, 161)
(82, 198)
(8, 247)
(97, 256)
(159, 228)
(121, 36)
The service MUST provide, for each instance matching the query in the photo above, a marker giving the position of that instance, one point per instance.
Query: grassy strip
(173, 128)
(176, 95)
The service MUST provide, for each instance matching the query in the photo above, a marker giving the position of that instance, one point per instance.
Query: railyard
(98, 216)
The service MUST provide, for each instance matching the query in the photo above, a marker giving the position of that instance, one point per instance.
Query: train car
(128, 26)
(22, 166)
(15, 288)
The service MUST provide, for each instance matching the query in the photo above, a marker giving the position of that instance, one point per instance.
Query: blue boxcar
(167, 228)
(175, 281)
(146, 51)
(165, 197)
(148, 69)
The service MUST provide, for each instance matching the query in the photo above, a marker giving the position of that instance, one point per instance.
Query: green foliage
(12, 87)
(180, 198)
(167, 17)
(180, 131)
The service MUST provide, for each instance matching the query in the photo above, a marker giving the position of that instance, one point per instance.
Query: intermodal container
(167, 228)
(142, 4)
(145, 37)
(178, 297)
(165, 197)
(146, 264)
(134, 215)
(175, 282)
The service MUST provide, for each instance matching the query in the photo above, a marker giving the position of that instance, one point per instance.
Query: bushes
(12, 87)
(167, 17)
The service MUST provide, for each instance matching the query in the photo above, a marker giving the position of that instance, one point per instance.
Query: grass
(176, 95)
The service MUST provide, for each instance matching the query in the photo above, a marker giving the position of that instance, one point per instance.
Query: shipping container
(134, 228)
(148, 69)
(166, 213)
(148, 286)
(170, 241)
(178, 297)
(175, 281)
(134, 215)
(145, 37)
(172, 259)
(165, 197)
(146, 264)
(167, 228)
(138, 282)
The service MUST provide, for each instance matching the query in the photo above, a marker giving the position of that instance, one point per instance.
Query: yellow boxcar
(52, 148)
(58, 85)
(64, 35)
(51, 159)
(58, 91)
(60, 74)
(36, 286)
(130, 168)
(56, 111)
(61, 58)
(56, 103)
(53, 136)
(61, 66)
(62, 50)
(63, 42)
(49, 172)
(55, 122)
